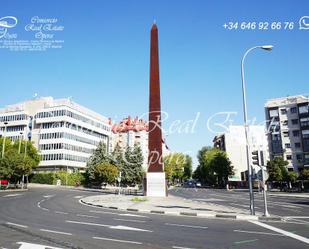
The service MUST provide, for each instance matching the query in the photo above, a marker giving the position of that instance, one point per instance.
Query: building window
(299, 157)
(304, 122)
(285, 122)
(297, 145)
(283, 111)
(294, 121)
(273, 113)
(285, 133)
(287, 145)
(296, 133)
(303, 109)
(288, 157)
(293, 110)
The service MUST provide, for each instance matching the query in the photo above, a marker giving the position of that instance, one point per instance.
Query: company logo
(6, 23)
(304, 22)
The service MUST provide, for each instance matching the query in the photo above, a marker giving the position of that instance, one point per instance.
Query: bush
(74, 179)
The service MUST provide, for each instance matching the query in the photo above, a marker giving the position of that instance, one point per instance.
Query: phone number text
(258, 25)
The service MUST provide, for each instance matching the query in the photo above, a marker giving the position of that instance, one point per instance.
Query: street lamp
(4, 136)
(267, 48)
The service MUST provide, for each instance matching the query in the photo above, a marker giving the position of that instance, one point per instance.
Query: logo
(6, 23)
(304, 22)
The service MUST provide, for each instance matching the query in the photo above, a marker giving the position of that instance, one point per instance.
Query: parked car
(198, 185)
(4, 183)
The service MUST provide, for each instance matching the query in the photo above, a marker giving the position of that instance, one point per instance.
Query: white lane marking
(129, 228)
(78, 196)
(297, 217)
(17, 225)
(52, 231)
(87, 216)
(39, 205)
(59, 212)
(137, 221)
(48, 196)
(102, 212)
(180, 225)
(118, 240)
(11, 195)
(286, 233)
(25, 245)
(109, 226)
(180, 247)
(86, 223)
(256, 232)
(134, 215)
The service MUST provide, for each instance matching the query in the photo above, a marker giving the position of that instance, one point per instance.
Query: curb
(188, 214)
(13, 190)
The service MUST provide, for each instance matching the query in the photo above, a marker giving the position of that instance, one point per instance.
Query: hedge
(51, 178)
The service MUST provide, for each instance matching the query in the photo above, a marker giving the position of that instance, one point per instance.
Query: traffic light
(255, 157)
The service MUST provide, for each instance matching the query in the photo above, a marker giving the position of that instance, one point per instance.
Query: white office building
(64, 132)
(233, 142)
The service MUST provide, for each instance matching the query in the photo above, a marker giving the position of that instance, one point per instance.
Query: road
(285, 206)
(55, 218)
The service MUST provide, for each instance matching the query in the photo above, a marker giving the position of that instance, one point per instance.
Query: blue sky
(104, 64)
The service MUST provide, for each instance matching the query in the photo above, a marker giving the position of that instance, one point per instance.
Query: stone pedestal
(155, 184)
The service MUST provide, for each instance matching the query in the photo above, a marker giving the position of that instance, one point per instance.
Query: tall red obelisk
(155, 177)
(155, 133)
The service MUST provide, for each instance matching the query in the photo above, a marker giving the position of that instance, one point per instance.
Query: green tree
(118, 157)
(221, 166)
(174, 166)
(132, 170)
(276, 169)
(304, 175)
(105, 173)
(187, 171)
(100, 155)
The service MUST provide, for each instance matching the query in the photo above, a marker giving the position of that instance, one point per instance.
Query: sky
(104, 61)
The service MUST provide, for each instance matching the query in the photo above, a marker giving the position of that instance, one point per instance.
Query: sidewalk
(171, 205)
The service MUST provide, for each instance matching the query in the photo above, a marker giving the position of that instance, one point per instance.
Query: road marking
(59, 212)
(256, 232)
(86, 223)
(180, 247)
(129, 228)
(11, 195)
(78, 196)
(133, 215)
(138, 221)
(102, 212)
(297, 217)
(52, 231)
(180, 225)
(17, 225)
(39, 205)
(25, 245)
(48, 196)
(108, 226)
(87, 216)
(289, 234)
(245, 241)
(118, 240)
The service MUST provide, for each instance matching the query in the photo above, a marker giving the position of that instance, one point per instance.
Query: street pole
(23, 178)
(266, 214)
(268, 47)
(4, 136)
(19, 149)
(119, 181)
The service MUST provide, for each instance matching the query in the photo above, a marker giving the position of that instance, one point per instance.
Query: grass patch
(139, 199)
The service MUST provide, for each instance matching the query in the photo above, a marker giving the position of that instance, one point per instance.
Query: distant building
(233, 142)
(288, 130)
(129, 132)
(64, 132)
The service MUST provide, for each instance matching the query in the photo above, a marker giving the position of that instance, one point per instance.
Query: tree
(304, 175)
(132, 170)
(105, 173)
(187, 171)
(276, 169)
(174, 166)
(17, 163)
(214, 166)
(100, 155)
(118, 157)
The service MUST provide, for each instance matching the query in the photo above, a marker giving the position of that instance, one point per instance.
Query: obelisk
(155, 177)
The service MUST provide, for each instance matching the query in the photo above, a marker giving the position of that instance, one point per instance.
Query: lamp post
(268, 48)
(4, 136)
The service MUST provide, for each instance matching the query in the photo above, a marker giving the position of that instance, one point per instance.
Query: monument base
(155, 184)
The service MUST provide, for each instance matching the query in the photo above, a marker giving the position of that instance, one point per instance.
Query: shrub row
(51, 178)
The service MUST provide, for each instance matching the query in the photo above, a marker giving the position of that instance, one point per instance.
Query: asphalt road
(55, 218)
(285, 205)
